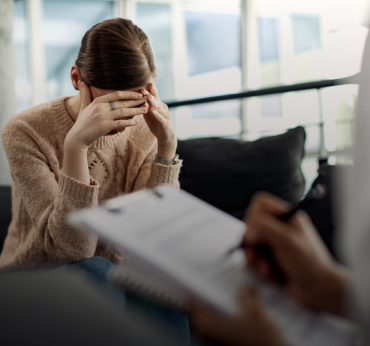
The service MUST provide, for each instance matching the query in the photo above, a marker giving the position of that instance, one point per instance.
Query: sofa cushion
(226, 172)
(5, 212)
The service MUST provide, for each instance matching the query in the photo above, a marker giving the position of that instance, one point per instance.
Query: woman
(115, 136)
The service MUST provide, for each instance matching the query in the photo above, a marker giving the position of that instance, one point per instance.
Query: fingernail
(145, 110)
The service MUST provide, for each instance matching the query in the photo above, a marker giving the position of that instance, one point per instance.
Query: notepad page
(184, 241)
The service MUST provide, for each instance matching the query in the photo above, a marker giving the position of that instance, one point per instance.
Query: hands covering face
(97, 118)
(158, 119)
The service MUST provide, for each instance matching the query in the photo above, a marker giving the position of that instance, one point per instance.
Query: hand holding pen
(267, 261)
(311, 274)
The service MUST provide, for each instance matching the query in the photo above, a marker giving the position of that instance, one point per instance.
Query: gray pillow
(226, 172)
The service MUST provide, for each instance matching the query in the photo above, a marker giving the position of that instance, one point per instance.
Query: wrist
(71, 145)
(167, 152)
(335, 290)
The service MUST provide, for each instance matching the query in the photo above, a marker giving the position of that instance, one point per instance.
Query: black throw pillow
(322, 212)
(227, 173)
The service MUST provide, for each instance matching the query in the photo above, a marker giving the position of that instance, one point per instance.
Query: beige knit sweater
(42, 195)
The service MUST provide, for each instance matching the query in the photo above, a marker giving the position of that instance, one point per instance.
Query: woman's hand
(312, 275)
(96, 119)
(159, 122)
(252, 327)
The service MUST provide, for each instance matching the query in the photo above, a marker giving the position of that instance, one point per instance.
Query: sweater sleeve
(48, 195)
(153, 174)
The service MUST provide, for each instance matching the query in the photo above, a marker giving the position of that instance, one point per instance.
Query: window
(155, 20)
(201, 51)
(213, 42)
(268, 38)
(306, 33)
(65, 23)
(23, 87)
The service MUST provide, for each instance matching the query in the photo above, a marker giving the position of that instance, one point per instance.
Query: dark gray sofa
(226, 172)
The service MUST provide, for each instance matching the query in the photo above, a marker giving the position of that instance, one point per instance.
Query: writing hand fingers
(263, 202)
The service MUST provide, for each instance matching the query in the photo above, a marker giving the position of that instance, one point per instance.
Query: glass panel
(155, 21)
(212, 60)
(23, 87)
(208, 120)
(213, 42)
(338, 109)
(271, 106)
(65, 23)
(310, 166)
(306, 33)
(301, 41)
(269, 54)
(268, 39)
(312, 144)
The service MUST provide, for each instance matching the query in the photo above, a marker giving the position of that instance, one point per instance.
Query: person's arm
(158, 119)
(96, 119)
(312, 275)
(50, 195)
(252, 327)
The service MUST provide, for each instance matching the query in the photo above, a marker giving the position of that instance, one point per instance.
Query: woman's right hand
(312, 275)
(96, 119)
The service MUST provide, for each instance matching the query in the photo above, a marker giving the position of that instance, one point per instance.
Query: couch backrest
(227, 173)
(5, 212)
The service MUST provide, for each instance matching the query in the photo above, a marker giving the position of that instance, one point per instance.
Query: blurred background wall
(7, 76)
(206, 48)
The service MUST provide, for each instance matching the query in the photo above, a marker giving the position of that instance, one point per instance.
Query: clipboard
(176, 245)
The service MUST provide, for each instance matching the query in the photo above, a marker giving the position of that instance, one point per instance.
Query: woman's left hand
(159, 122)
(253, 326)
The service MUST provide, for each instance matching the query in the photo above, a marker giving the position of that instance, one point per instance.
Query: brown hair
(116, 55)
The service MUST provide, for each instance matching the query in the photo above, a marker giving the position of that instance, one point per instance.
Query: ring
(112, 106)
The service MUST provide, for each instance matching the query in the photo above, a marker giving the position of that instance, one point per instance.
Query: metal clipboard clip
(132, 200)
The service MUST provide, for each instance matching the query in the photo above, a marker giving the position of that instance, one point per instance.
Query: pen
(315, 194)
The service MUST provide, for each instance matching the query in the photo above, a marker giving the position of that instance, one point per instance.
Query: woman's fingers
(125, 113)
(119, 125)
(118, 95)
(85, 94)
(153, 102)
(153, 90)
(124, 104)
(157, 115)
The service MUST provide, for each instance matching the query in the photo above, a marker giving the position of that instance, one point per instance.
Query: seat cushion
(5, 212)
(227, 173)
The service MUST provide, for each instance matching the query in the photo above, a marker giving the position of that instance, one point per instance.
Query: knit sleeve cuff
(79, 191)
(163, 174)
